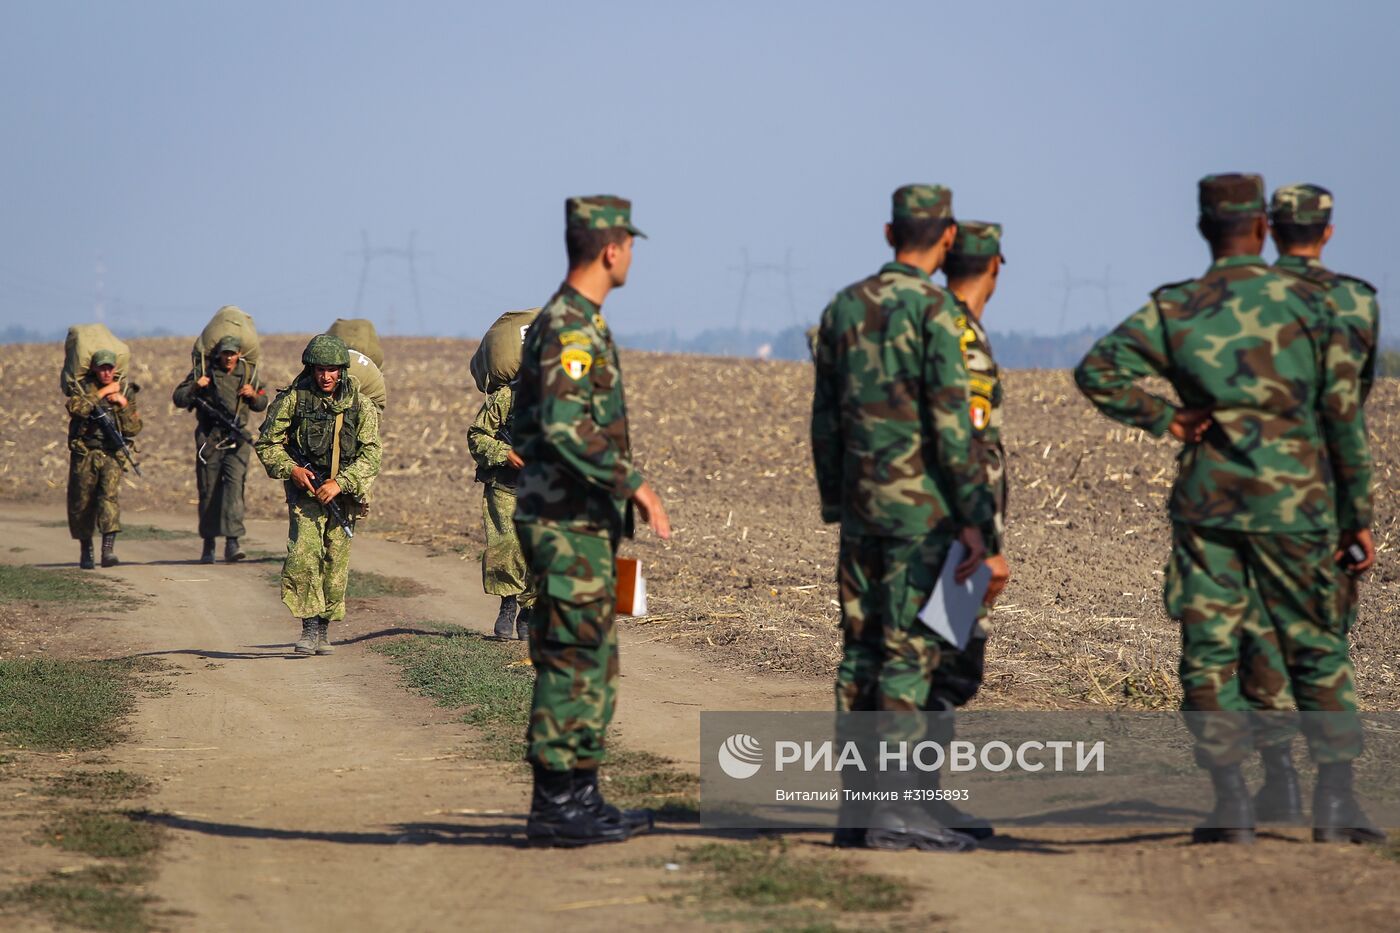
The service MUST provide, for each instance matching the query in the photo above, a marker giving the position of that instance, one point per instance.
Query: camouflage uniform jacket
(489, 440)
(360, 446)
(84, 433)
(1287, 450)
(570, 423)
(222, 390)
(984, 411)
(891, 436)
(1353, 303)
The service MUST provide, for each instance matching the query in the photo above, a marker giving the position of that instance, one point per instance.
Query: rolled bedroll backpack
(370, 378)
(359, 333)
(497, 360)
(82, 342)
(228, 321)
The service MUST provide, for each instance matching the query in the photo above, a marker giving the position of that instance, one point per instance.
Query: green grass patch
(366, 585)
(778, 889)
(492, 682)
(98, 786)
(103, 833)
(71, 902)
(152, 533)
(36, 585)
(56, 705)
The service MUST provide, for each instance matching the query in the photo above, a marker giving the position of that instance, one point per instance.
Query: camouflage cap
(922, 202)
(1223, 197)
(977, 238)
(600, 212)
(1301, 204)
(103, 358)
(227, 344)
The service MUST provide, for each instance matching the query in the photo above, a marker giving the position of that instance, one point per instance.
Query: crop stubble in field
(749, 574)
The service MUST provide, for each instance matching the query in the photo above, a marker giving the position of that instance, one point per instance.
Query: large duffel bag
(370, 378)
(497, 360)
(359, 333)
(82, 342)
(228, 321)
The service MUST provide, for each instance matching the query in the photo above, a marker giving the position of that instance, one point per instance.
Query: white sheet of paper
(639, 604)
(952, 608)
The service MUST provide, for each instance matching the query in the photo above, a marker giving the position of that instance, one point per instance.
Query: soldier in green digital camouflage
(503, 570)
(1274, 466)
(575, 501)
(1300, 220)
(230, 385)
(321, 438)
(96, 460)
(892, 447)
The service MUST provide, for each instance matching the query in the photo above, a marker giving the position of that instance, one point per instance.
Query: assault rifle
(223, 419)
(331, 506)
(108, 424)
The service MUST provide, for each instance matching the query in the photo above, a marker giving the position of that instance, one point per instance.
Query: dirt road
(317, 794)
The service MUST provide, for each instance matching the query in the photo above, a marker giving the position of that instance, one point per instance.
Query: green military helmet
(977, 238)
(922, 202)
(600, 212)
(1301, 204)
(1223, 197)
(325, 350)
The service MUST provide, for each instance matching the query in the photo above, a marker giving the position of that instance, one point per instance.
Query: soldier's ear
(1326, 235)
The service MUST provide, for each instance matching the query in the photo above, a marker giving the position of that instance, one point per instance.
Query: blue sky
(233, 153)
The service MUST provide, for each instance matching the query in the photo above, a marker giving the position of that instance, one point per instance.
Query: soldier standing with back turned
(228, 385)
(1269, 417)
(96, 461)
(576, 497)
(892, 446)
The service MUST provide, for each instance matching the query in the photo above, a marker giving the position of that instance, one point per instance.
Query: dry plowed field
(748, 577)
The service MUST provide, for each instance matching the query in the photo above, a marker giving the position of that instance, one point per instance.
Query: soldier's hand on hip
(514, 459)
(328, 491)
(971, 537)
(1360, 537)
(1189, 425)
(1001, 575)
(301, 476)
(652, 511)
(202, 382)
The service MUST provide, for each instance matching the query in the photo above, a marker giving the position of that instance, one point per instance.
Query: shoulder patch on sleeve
(575, 361)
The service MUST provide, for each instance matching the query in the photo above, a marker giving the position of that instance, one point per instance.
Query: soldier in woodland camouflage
(1275, 458)
(503, 569)
(96, 461)
(1300, 220)
(320, 428)
(892, 446)
(229, 382)
(575, 501)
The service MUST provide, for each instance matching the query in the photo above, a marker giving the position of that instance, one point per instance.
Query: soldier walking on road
(578, 490)
(321, 438)
(503, 568)
(227, 385)
(96, 458)
(892, 444)
(1300, 219)
(1274, 450)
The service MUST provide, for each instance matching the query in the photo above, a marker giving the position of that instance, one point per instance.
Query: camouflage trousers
(573, 646)
(1228, 588)
(219, 476)
(317, 568)
(503, 568)
(94, 479)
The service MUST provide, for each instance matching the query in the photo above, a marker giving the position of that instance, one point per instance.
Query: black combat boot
(109, 550)
(323, 637)
(898, 824)
(85, 560)
(1337, 815)
(1280, 799)
(206, 556)
(1232, 820)
(310, 637)
(941, 730)
(590, 797)
(558, 819)
(232, 552)
(505, 617)
(522, 624)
